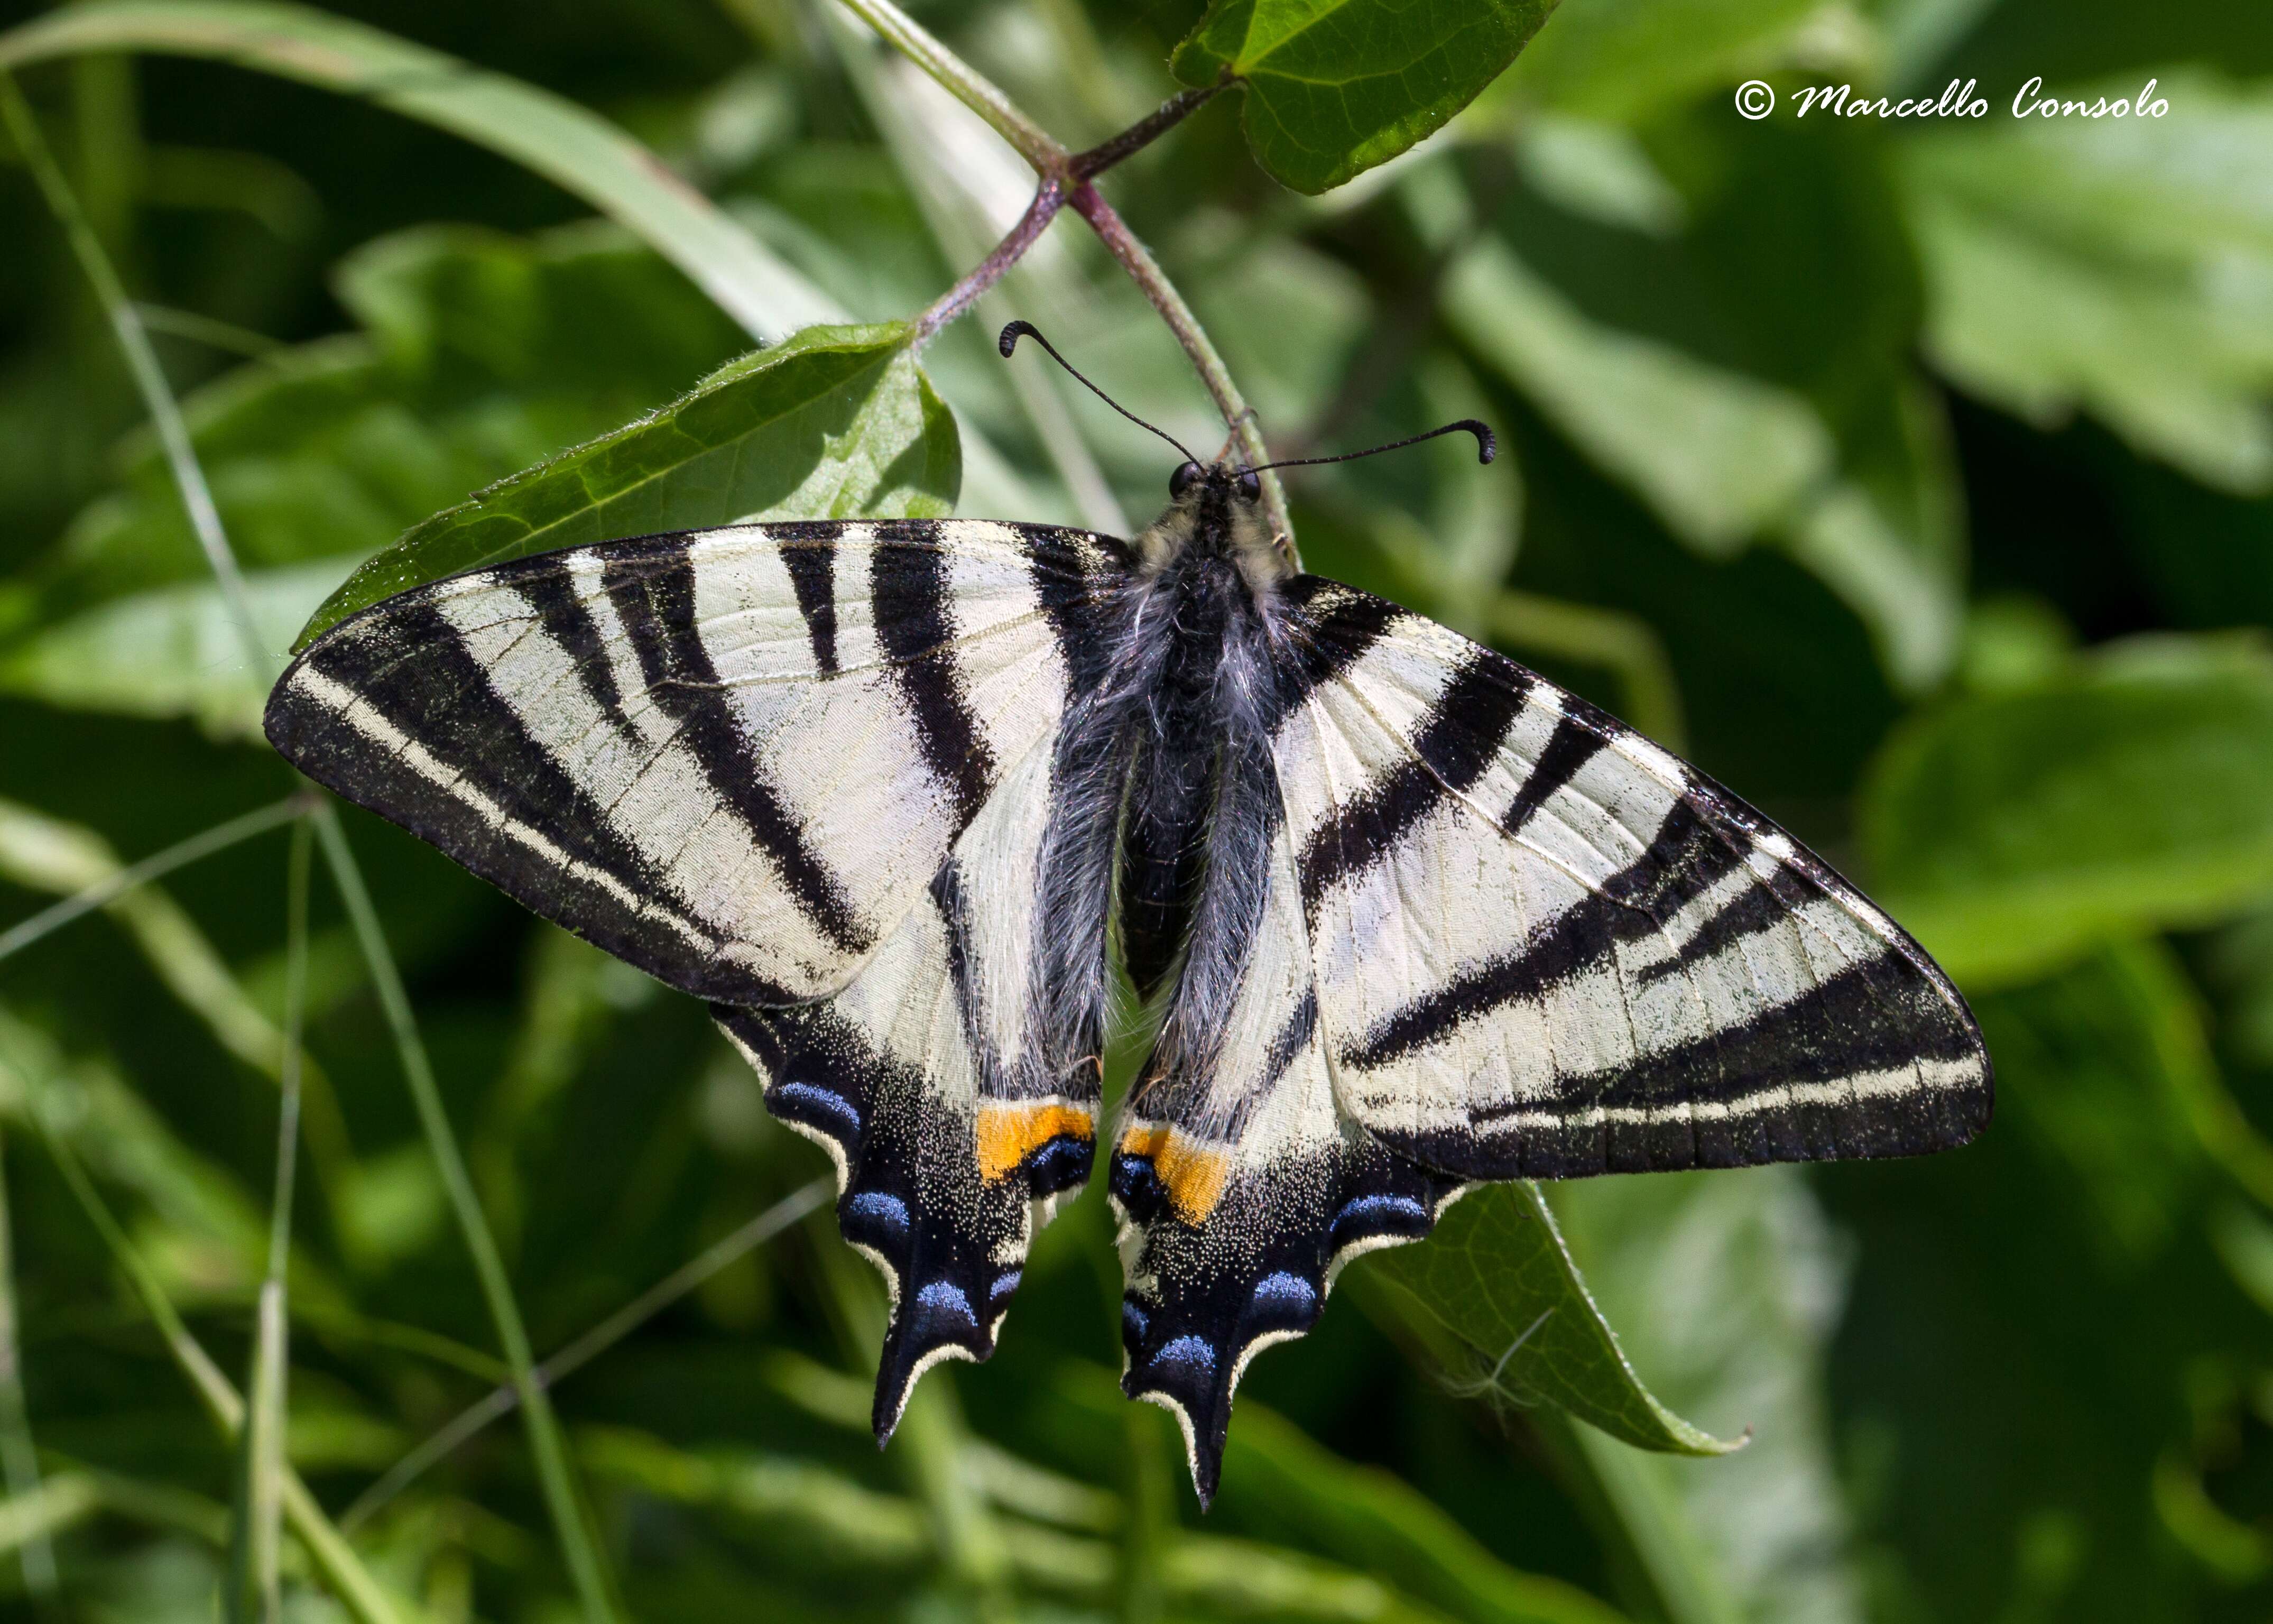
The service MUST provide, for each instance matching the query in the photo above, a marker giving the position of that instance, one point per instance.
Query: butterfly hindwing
(925, 1080)
(800, 771)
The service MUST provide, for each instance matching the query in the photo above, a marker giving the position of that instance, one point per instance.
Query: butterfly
(907, 801)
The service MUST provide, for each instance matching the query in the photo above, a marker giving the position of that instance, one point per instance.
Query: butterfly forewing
(1547, 948)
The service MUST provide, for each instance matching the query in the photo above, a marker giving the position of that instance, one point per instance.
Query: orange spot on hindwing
(1009, 1132)
(1193, 1174)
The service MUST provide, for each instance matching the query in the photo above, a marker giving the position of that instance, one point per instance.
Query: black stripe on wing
(914, 621)
(809, 554)
(654, 597)
(1453, 747)
(1819, 1076)
(530, 828)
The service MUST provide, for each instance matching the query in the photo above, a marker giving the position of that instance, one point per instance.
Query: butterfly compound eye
(1180, 481)
(1250, 485)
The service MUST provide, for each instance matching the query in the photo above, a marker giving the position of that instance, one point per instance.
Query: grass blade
(254, 1543)
(546, 1443)
(547, 1446)
(576, 149)
(101, 893)
(18, 1458)
(334, 1558)
(590, 1346)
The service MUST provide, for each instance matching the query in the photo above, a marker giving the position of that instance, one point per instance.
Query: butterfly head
(1215, 511)
(1216, 508)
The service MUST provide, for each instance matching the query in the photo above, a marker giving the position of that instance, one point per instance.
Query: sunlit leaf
(1726, 1285)
(2009, 831)
(572, 146)
(1619, 59)
(1494, 1290)
(837, 423)
(1715, 454)
(2118, 266)
(1335, 87)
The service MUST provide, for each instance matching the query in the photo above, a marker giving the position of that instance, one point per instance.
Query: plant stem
(968, 86)
(590, 1346)
(219, 837)
(342, 1570)
(546, 1445)
(1090, 164)
(1145, 271)
(1074, 171)
(1048, 200)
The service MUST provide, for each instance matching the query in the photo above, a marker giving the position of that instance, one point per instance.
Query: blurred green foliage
(1912, 476)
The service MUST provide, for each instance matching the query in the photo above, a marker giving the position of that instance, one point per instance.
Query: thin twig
(1052, 162)
(968, 86)
(1091, 164)
(1048, 200)
(219, 837)
(500, 1401)
(1145, 271)
(546, 1445)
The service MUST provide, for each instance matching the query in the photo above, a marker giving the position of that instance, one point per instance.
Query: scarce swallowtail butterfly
(906, 802)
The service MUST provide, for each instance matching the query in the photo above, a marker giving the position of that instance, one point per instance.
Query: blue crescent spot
(1188, 1350)
(1005, 1284)
(1134, 1318)
(822, 1100)
(1285, 1290)
(1382, 1209)
(879, 1207)
(939, 1297)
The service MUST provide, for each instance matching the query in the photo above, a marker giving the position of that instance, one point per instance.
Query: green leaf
(2120, 267)
(1717, 455)
(2101, 1065)
(2009, 831)
(1280, 1485)
(482, 353)
(173, 651)
(834, 423)
(1336, 86)
(570, 146)
(1621, 59)
(1495, 1295)
(1727, 1286)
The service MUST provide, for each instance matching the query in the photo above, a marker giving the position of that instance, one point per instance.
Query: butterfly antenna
(1486, 446)
(1009, 341)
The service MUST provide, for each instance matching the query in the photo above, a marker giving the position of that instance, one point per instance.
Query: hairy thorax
(1212, 518)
